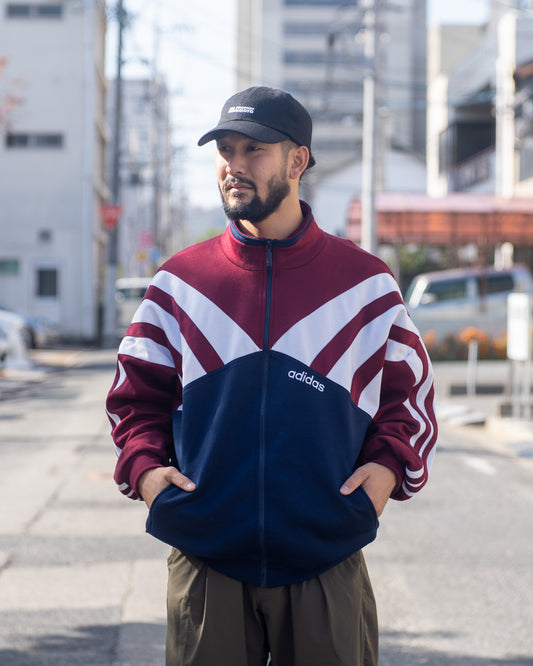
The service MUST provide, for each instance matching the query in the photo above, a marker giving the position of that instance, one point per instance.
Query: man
(272, 393)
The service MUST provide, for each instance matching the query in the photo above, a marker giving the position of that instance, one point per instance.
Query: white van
(448, 302)
(129, 293)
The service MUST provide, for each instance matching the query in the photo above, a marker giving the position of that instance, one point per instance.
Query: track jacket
(267, 371)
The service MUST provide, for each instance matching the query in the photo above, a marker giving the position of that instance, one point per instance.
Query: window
(9, 266)
(495, 284)
(49, 11)
(446, 290)
(132, 293)
(23, 140)
(306, 29)
(47, 282)
(323, 87)
(526, 158)
(329, 3)
(20, 10)
(304, 57)
(463, 140)
(319, 58)
(337, 145)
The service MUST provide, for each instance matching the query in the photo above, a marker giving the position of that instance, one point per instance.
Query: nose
(235, 164)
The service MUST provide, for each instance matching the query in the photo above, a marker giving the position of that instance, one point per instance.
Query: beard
(256, 210)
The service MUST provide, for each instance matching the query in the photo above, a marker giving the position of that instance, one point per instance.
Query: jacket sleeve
(145, 392)
(403, 433)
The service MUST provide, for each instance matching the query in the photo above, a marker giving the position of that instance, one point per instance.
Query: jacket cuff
(139, 466)
(388, 459)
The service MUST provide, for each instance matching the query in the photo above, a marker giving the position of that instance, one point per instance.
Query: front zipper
(262, 443)
(268, 300)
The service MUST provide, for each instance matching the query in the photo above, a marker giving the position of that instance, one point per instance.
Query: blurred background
(423, 135)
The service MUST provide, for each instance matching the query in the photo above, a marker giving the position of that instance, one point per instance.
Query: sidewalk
(35, 367)
(483, 406)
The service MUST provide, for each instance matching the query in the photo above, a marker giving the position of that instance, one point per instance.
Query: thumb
(354, 481)
(178, 479)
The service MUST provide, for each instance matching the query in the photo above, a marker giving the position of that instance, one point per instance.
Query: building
(145, 229)
(52, 163)
(480, 106)
(315, 49)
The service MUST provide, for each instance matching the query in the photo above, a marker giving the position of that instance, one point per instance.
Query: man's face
(252, 177)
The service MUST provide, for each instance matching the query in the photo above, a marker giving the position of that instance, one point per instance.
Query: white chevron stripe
(398, 351)
(192, 369)
(416, 365)
(121, 376)
(311, 334)
(366, 343)
(411, 357)
(114, 417)
(146, 350)
(228, 339)
(152, 313)
(369, 398)
(431, 456)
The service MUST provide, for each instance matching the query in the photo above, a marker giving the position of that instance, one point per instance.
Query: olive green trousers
(214, 620)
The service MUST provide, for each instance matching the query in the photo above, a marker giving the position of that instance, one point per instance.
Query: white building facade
(52, 163)
(480, 106)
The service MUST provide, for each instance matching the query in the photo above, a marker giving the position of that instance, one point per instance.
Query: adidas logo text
(306, 379)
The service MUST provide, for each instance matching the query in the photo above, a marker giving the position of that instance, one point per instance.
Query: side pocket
(371, 507)
(153, 508)
(177, 435)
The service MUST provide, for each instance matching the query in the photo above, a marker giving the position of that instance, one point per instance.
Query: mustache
(231, 180)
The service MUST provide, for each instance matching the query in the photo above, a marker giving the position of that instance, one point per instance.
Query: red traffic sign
(110, 215)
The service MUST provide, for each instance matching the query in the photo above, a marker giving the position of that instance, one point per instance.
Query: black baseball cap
(265, 114)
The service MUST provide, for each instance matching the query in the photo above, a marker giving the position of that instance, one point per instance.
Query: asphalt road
(453, 568)
(81, 583)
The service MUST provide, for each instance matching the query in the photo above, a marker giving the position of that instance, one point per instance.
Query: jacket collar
(297, 249)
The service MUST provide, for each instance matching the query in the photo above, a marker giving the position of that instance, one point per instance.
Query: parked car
(4, 345)
(448, 302)
(129, 292)
(37, 332)
(13, 328)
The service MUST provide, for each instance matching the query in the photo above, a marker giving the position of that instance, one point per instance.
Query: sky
(457, 11)
(193, 46)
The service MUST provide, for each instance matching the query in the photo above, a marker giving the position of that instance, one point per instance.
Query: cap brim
(246, 127)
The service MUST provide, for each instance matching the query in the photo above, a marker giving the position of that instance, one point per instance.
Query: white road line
(480, 465)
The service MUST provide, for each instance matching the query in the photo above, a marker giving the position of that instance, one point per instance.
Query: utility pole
(505, 113)
(372, 21)
(110, 310)
(156, 144)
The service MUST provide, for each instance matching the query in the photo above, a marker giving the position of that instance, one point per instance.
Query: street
(81, 583)
(452, 569)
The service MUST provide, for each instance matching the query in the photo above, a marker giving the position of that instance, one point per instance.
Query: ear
(298, 159)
